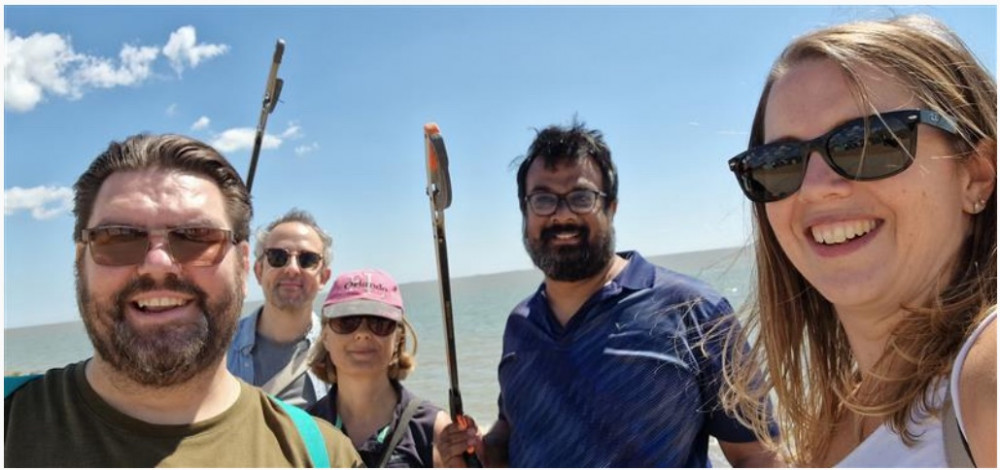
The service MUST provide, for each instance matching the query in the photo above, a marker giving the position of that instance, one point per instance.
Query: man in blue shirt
(613, 362)
(271, 346)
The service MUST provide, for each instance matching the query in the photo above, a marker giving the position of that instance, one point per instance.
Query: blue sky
(672, 87)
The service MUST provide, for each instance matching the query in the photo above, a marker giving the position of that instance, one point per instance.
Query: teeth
(160, 302)
(565, 235)
(840, 232)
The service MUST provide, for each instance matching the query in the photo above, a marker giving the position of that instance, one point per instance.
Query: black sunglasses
(580, 201)
(279, 257)
(381, 326)
(863, 149)
(122, 245)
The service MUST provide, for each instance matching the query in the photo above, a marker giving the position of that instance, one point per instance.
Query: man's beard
(165, 355)
(289, 303)
(573, 262)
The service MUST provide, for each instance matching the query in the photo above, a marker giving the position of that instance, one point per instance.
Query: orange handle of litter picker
(431, 128)
(463, 424)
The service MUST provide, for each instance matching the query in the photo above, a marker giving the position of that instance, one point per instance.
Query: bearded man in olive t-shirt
(161, 233)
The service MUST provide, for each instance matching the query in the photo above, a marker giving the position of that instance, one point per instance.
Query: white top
(884, 448)
(956, 370)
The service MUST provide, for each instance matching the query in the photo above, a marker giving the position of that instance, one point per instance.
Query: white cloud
(44, 202)
(294, 131)
(694, 123)
(34, 66)
(241, 138)
(45, 64)
(304, 149)
(172, 109)
(183, 49)
(201, 123)
(100, 72)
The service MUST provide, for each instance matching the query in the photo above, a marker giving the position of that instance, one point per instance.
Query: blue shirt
(626, 382)
(239, 359)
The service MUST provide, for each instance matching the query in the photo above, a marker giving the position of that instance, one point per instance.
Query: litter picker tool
(271, 93)
(439, 192)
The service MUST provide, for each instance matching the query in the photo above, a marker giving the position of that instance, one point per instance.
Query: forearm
(750, 454)
(495, 445)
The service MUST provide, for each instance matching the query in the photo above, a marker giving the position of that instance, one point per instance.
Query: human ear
(258, 269)
(979, 176)
(243, 252)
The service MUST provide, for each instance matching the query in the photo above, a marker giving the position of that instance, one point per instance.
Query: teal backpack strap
(12, 383)
(397, 434)
(309, 430)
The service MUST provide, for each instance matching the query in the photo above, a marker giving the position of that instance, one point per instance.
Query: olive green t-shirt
(59, 421)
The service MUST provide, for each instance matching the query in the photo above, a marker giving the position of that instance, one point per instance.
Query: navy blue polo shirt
(631, 381)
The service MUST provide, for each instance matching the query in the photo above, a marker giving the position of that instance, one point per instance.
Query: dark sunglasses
(120, 245)
(381, 326)
(863, 149)
(279, 257)
(580, 201)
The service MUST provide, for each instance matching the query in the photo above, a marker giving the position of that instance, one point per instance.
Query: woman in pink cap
(362, 355)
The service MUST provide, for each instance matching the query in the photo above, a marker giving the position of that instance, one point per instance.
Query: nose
(363, 331)
(562, 210)
(158, 258)
(821, 182)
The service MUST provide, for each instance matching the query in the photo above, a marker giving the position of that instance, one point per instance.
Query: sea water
(480, 307)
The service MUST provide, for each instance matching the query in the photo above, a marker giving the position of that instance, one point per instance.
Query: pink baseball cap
(364, 292)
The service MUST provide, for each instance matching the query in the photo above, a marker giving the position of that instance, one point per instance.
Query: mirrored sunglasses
(863, 149)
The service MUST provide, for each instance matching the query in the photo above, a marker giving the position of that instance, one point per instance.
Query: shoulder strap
(309, 430)
(956, 449)
(397, 434)
(288, 374)
(11, 384)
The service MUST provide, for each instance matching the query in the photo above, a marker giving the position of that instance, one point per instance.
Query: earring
(978, 206)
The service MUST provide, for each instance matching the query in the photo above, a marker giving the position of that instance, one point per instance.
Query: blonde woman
(872, 171)
(362, 353)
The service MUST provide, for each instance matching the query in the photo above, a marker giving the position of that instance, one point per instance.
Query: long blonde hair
(794, 333)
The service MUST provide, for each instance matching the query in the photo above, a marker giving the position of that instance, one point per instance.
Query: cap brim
(362, 307)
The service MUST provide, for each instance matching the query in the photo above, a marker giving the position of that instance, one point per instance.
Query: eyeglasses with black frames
(579, 201)
(863, 149)
(279, 258)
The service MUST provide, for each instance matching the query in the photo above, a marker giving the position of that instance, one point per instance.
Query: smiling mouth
(563, 234)
(841, 232)
(159, 304)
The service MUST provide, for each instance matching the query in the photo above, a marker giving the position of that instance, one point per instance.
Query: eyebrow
(547, 189)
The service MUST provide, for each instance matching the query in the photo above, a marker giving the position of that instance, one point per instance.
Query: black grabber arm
(271, 93)
(439, 193)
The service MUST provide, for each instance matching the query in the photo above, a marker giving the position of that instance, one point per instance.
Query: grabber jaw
(274, 83)
(438, 179)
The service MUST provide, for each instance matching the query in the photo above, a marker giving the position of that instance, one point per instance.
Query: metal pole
(271, 93)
